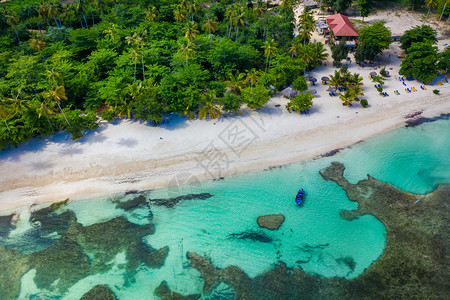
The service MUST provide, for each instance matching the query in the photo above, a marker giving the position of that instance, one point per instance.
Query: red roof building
(341, 26)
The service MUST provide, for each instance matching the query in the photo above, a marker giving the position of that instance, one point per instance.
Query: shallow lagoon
(223, 227)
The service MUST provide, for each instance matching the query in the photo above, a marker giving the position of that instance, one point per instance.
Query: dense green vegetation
(60, 64)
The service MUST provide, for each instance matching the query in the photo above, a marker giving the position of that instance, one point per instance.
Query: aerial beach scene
(224, 149)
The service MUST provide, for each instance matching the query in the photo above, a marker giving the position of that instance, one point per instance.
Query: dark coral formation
(99, 292)
(137, 202)
(171, 202)
(6, 225)
(255, 236)
(163, 291)
(414, 264)
(79, 252)
(12, 265)
(416, 256)
(271, 222)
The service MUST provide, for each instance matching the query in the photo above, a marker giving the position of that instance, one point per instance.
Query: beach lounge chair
(404, 83)
(446, 80)
(440, 83)
(330, 94)
(408, 91)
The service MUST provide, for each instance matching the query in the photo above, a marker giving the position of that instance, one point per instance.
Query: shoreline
(160, 171)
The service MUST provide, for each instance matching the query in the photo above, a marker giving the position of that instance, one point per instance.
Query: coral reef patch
(99, 292)
(171, 202)
(163, 291)
(414, 264)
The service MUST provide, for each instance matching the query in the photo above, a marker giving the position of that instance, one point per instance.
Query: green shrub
(436, 92)
(364, 103)
(108, 114)
(380, 89)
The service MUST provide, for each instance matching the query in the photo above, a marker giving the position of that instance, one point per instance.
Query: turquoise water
(313, 237)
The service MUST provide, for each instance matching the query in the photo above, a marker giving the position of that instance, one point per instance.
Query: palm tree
(356, 80)
(209, 109)
(17, 103)
(443, 9)
(356, 91)
(151, 14)
(269, 50)
(37, 44)
(236, 82)
(80, 6)
(239, 21)
(285, 4)
(378, 79)
(211, 25)
(53, 11)
(45, 108)
(259, 9)
(346, 97)
(229, 14)
(53, 77)
(190, 30)
(4, 115)
(186, 49)
(13, 21)
(252, 76)
(431, 4)
(58, 94)
(193, 8)
(180, 14)
(140, 41)
(111, 32)
(306, 55)
(336, 79)
(134, 54)
(294, 50)
(319, 53)
(43, 11)
(134, 90)
(133, 40)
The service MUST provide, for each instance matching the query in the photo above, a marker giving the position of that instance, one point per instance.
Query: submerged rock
(99, 292)
(163, 291)
(137, 202)
(171, 202)
(271, 222)
(256, 236)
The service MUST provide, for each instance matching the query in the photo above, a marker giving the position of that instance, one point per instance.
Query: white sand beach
(133, 155)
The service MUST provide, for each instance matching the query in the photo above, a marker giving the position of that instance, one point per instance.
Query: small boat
(299, 197)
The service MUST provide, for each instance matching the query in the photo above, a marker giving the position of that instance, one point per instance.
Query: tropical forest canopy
(63, 62)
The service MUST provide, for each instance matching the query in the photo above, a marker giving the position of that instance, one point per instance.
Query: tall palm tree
(259, 8)
(134, 90)
(235, 82)
(209, 109)
(80, 6)
(141, 43)
(4, 115)
(431, 4)
(53, 11)
(18, 102)
(211, 25)
(186, 49)
(151, 14)
(356, 80)
(190, 30)
(239, 21)
(229, 15)
(446, 2)
(43, 11)
(285, 4)
(179, 14)
(252, 76)
(193, 8)
(13, 21)
(347, 97)
(357, 91)
(45, 108)
(336, 79)
(58, 94)
(295, 49)
(37, 44)
(269, 50)
(319, 53)
(132, 40)
(134, 54)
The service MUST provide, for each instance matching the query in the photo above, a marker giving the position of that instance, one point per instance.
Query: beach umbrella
(312, 79)
(331, 89)
(308, 76)
(289, 92)
(313, 92)
(373, 73)
(325, 78)
(387, 73)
